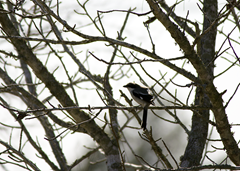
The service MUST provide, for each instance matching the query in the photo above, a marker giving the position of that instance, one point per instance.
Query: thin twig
(138, 14)
(232, 96)
(138, 61)
(170, 154)
(50, 139)
(108, 107)
(233, 50)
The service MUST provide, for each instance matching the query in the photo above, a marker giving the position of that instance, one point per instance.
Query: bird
(143, 97)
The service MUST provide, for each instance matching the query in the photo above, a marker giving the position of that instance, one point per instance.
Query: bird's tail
(144, 119)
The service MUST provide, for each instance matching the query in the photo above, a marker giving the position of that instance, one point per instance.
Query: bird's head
(131, 85)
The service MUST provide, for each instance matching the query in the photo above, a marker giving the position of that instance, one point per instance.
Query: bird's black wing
(144, 95)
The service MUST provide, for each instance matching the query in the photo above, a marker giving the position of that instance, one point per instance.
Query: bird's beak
(125, 86)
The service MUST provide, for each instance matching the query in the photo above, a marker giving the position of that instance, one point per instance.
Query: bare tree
(60, 66)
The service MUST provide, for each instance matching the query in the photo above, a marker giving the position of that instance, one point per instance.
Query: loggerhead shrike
(142, 96)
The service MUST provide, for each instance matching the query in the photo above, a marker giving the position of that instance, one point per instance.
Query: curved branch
(215, 97)
(58, 91)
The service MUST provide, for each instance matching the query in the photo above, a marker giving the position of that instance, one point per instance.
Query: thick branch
(223, 126)
(118, 42)
(55, 87)
(34, 103)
